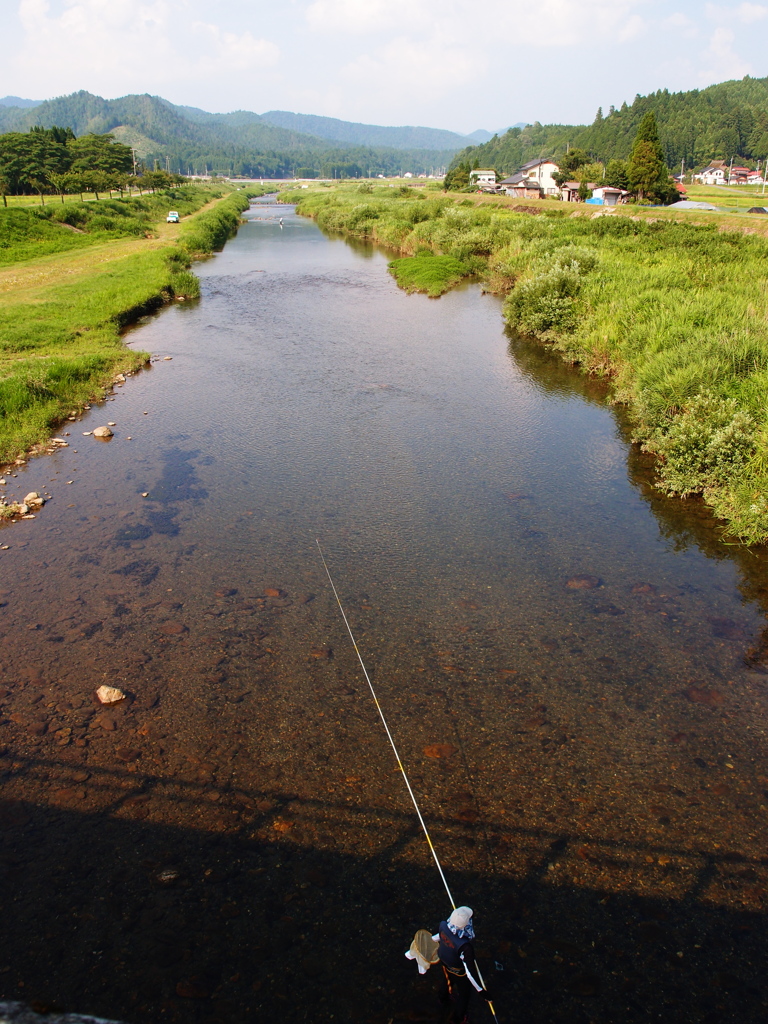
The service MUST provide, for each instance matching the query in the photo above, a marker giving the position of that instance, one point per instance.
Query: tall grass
(674, 314)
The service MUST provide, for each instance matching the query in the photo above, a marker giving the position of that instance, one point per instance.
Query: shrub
(708, 444)
(545, 305)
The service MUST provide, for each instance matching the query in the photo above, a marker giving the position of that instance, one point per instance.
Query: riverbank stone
(103, 433)
(109, 695)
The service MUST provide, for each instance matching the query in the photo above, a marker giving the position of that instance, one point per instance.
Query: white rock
(86, 433)
(103, 432)
(32, 496)
(111, 423)
(109, 694)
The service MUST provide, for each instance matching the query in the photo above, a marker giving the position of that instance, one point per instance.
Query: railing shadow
(122, 911)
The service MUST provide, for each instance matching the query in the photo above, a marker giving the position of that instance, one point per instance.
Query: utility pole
(133, 151)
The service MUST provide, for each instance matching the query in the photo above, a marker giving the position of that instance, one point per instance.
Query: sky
(456, 64)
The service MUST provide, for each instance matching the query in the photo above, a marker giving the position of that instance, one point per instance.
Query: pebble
(173, 628)
(704, 695)
(584, 582)
(111, 423)
(438, 750)
(109, 695)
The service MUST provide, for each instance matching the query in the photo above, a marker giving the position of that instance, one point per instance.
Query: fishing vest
(450, 948)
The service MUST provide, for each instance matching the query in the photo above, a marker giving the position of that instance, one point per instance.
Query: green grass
(673, 311)
(427, 273)
(27, 232)
(60, 341)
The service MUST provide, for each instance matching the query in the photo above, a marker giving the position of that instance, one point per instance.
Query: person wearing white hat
(457, 957)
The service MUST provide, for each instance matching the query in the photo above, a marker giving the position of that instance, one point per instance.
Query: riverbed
(571, 666)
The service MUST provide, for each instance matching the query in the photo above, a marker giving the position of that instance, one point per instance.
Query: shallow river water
(572, 667)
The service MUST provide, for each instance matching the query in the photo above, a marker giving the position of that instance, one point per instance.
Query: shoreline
(665, 308)
(84, 300)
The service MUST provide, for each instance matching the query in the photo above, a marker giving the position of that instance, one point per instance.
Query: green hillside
(354, 133)
(187, 139)
(720, 122)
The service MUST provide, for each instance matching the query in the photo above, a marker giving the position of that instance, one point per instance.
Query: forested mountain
(720, 122)
(331, 128)
(17, 101)
(187, 139)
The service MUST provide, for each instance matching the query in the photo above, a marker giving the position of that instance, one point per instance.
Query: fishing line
(394, 748)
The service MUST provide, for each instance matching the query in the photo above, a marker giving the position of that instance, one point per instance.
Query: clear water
(569, 644)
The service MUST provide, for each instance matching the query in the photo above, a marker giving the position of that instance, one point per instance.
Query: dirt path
(46, 270)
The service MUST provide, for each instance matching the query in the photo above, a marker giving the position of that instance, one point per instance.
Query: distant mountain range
(242, 142)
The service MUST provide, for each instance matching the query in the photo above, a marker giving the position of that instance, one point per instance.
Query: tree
(647, 173)
(569, 165)
(616, 174)
(457, 179)
(100, 153)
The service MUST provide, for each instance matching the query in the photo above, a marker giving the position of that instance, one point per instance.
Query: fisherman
(457, 957)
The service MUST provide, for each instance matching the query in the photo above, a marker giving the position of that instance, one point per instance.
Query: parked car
(172, 218)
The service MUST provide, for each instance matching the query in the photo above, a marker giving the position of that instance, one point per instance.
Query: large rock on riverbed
(18, 1013)
(104, 433)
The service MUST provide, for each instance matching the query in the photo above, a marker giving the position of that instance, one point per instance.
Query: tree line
(695, 127)
(644, 173)
(47, 161)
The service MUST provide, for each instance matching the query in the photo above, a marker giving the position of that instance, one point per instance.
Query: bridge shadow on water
(123, 913)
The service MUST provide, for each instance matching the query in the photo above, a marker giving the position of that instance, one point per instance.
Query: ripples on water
(572, 642)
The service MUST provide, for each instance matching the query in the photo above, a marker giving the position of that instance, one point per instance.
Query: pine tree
(647, 173)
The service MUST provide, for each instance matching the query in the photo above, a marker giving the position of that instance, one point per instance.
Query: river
(570, 663)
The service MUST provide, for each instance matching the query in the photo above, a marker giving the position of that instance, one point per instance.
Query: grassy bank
(672, 310)
(61, 314)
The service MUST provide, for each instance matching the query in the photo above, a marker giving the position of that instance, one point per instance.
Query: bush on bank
(674, 314)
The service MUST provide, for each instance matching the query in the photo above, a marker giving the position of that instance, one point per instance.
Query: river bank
(62, 312)
(670, 310)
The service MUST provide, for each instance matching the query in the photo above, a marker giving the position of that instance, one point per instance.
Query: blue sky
(458, 64)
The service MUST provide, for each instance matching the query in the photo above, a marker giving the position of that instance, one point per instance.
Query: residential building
(482, 176)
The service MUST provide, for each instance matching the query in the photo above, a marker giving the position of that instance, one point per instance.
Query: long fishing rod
(397, 755)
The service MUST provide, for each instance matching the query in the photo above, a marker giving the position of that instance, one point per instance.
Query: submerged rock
(109, 695)
(584, 582)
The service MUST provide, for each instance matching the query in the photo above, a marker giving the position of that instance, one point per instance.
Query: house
(522, 187)
(738, 175)
(482, 176)
(715, 174)
(570, 191)
(755, 178)
(609, 195)
(542, 171)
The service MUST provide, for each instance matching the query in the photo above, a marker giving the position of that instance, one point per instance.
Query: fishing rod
(397, 756)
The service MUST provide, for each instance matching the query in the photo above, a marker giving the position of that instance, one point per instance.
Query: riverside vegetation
(673, 313)
(97, 267)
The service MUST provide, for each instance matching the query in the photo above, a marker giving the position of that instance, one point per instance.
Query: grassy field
(61, 313)
(671, 307)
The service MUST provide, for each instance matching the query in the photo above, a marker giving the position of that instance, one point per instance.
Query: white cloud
(721, 60)
(745, 13)
(749, 13)
(405, 64)
(114, 46)
(364, 16)
(238, 53)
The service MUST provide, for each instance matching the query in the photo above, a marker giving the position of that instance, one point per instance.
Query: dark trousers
(459, 990)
